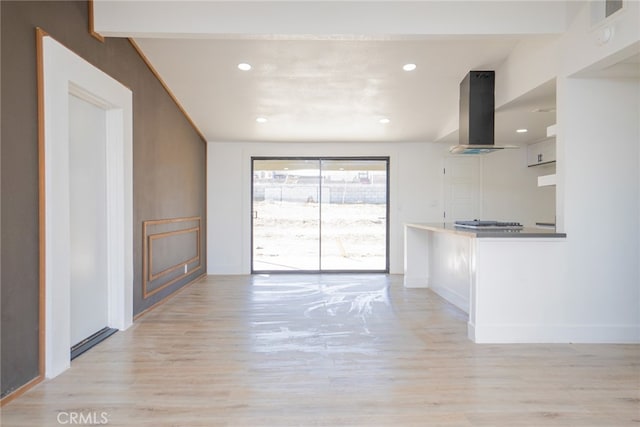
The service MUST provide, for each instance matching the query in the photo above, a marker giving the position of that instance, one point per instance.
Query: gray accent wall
(169, 167)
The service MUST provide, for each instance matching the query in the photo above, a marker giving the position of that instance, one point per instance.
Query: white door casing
(66, 73)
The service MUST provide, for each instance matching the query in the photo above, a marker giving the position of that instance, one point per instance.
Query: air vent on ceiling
(603, 9)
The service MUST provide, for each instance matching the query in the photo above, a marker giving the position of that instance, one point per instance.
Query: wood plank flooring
(328, 350)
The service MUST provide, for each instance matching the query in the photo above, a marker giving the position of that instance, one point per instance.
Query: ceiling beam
(327, 19)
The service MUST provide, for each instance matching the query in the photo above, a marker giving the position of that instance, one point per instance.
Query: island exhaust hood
(477, 115)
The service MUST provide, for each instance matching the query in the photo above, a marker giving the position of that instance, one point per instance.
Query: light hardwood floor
(329, 350)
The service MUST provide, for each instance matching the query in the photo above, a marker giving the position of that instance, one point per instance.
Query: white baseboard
(454, 298)
(225, 269)
(592, 334)
(416, 282)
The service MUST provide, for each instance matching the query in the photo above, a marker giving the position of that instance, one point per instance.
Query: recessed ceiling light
(522, 130)
(244, 66)
(409, 67)
(261, 120)
(384, 120)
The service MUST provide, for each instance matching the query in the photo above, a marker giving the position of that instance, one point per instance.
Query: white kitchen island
(508, 282)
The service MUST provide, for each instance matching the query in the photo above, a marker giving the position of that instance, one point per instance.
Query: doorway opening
(320, 214)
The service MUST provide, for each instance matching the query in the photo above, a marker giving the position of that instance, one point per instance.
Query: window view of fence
(319, 214)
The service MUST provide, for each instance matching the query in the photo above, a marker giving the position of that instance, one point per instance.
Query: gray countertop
(470, 232)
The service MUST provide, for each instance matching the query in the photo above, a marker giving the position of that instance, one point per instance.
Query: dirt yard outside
(286, 236)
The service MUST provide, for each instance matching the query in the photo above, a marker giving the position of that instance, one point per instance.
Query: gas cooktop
(489, 225)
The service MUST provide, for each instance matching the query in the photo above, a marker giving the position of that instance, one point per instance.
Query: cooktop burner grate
(489, 225)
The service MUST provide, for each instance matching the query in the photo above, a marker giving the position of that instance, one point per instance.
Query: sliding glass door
(285, 213)
(354, 215)
(320, 214)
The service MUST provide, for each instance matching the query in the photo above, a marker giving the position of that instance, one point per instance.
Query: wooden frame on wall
(40, 34)
(144, 58)
(166, 88)
(148, 239)
(92, 30)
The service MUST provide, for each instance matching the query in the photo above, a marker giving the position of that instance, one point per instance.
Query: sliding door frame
(319, 159)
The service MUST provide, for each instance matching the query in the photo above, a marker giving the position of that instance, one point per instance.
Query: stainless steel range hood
(477, 148)
(477, 115)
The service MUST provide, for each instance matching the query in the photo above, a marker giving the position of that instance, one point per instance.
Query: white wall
(536, 61)
(597, 192)
(416, 192)
(530, 64)
(601, 139)
(598, 187)
(604, 43)
(511, 192)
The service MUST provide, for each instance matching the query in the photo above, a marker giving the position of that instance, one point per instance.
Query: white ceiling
(335, 87)
(321, 90)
